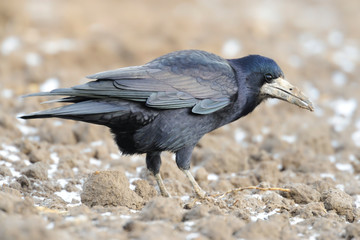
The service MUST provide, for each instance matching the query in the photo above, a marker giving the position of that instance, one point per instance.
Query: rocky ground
(67, 180)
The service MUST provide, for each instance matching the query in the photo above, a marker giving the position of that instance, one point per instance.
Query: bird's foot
(205, 198)
(199, 192)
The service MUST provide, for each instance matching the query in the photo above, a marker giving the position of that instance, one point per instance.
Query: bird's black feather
(167, 104)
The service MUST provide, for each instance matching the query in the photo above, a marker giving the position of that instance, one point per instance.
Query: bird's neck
(247, 97)
(240, 107)
(245, 103)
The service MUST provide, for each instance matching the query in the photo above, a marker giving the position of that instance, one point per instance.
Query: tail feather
(96, 90)
(74, 111)
(66, 100)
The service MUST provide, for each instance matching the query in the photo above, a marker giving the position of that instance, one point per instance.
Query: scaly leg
(198, 190)
(183, 158)
(153, 163)
(161, 185)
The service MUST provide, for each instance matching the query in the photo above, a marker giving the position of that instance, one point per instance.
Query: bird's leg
(161, 185)
(153, 163)
(183, 158)
(201, 193)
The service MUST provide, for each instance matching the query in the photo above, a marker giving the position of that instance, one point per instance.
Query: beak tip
(310, 107)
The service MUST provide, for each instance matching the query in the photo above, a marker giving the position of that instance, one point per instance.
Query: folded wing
(195, 79)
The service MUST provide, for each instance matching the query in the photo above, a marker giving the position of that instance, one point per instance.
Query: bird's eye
(268, 77)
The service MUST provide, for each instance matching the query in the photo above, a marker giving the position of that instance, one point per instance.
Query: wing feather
(189, 78)
(207, 106)
(170, 100)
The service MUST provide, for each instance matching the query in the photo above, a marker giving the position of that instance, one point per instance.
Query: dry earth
(67, 180)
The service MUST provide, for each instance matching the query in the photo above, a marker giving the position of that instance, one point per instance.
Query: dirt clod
(301, 193)
(313, 209)
(37, 170)
(352, 231)
(24, 182)
(220, 227)
(144, 189)
(196, 212)
(162, 208)
(277, 228)
(5, 171)
(12, 203)
(31, 227)
(342, 203)
(109, 188)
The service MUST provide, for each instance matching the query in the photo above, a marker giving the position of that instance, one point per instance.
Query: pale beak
(282, 89)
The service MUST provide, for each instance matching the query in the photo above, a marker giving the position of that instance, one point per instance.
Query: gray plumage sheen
(169, 103)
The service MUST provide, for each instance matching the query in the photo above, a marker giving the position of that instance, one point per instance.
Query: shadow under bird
(169, 103)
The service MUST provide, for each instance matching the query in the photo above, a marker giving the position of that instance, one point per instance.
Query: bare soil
(67, 180)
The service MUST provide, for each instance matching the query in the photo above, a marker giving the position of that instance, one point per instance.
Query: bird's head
(265, 78)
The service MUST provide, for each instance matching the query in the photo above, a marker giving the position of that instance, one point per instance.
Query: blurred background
(49, 44)
(313, 41)
(46, 44)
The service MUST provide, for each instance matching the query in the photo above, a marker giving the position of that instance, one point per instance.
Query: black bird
(169, 103)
